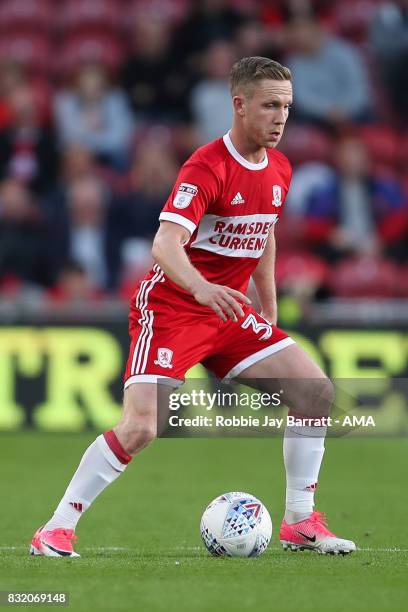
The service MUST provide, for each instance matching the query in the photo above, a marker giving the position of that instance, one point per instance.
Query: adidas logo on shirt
(238, 199)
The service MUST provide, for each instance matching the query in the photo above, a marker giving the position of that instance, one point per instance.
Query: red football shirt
(229, 205)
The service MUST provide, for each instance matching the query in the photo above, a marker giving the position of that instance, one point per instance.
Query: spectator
(27, 145)
(151, 180)
(274, 14)
(307, 179)
(73, 286)
(252, 38)
(134, 219)
(156, 83)
(11, 77)
(208, 21)
(389, 37)
(330, 79)
(95, 115)
(24, 237)
(76, 162)
(356, 211)
(82, 234)
(211, 98)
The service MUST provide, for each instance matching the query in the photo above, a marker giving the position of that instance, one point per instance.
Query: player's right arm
(168, 251)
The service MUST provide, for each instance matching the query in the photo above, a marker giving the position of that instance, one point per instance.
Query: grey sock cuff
(305, 431)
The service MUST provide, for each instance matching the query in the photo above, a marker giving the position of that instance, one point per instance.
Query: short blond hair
(249, 70)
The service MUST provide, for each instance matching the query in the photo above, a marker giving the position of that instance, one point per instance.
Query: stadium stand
(152, 54)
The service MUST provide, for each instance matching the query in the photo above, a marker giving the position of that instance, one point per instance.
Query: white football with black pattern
(236, 524)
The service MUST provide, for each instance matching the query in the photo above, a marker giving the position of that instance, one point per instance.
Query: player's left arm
(264, 279)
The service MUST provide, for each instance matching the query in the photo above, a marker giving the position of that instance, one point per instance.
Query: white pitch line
(197, 548)
(396, 550)
(107, 548)
(383, 549)
(90, 548)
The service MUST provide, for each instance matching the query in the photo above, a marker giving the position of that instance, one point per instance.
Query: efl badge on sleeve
(277, 195)
(185, 193)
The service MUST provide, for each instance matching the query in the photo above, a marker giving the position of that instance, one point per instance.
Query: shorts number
(257, 327)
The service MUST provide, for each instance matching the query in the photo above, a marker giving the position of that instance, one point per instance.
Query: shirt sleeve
(195, 189)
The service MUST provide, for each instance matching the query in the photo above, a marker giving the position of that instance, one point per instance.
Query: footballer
(216, 233)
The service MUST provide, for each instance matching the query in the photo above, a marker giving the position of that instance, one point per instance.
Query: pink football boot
(312, 533)
(54, 543)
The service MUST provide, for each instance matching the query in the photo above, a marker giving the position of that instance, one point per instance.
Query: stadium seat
(352, 18)
(402, 281)
(30, 50)
(382, 143)
(91, 16)
(22, 15)
(172, 11)
(84, 48)
(162, 133)
(289, 232)
(303, 143)
(300, 267)
(403, 153)
(364, 277)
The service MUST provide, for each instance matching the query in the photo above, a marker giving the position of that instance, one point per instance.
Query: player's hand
(226, 302)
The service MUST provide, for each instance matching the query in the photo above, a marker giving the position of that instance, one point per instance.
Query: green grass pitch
(140, 543)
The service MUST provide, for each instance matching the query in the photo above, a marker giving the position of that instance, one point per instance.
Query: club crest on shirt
(277, 195)
(164, 357)
(185, 193)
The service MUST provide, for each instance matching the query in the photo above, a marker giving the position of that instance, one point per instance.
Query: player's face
(266, 112)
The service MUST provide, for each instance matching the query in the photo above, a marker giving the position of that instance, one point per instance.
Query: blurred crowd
(102, 100)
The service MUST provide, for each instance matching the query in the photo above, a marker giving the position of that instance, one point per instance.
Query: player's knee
(138, 435)
(137, 430)
(144, 434)
(322, 396)
(314, 397)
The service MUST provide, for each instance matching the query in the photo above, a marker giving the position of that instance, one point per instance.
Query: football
(236, 524)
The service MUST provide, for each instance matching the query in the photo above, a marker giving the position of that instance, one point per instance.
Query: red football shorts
(170, 335)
